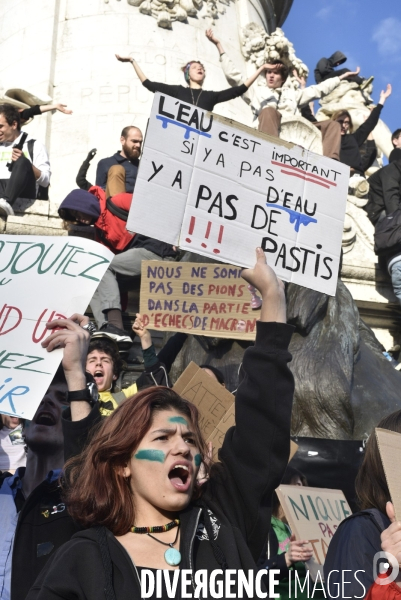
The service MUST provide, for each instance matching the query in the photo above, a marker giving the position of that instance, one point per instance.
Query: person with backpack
(384, 211)
(357, 538)
(24, 162)
(109, 216)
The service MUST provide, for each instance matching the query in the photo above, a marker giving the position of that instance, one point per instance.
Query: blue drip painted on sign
(295, 217)
(165, 121)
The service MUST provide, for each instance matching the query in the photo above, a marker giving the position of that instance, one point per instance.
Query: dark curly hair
(110, 348)
(11, 114)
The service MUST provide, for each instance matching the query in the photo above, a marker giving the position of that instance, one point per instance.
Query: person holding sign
(357, 540)
(284, 552)
(194, 75)
(135, 491)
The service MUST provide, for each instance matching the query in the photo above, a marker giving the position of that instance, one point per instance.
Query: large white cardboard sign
(220, 189)
(41, 279)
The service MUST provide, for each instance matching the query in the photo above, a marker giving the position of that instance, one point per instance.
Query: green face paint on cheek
(155, 455)
(178, 420)
(198, 460)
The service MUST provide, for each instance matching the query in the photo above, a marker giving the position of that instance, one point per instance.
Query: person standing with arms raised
(194, 74)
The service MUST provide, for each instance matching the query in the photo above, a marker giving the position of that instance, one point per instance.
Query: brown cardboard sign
(313, 514)
(214, 402)
(212, 399)
(198, 298)
(185, 377)
(389, 443)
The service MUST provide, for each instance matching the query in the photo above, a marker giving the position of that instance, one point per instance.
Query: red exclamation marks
(191, 229)
(221, 230)
(208, 228)
(207, 234)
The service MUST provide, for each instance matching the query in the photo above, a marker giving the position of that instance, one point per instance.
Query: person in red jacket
(108, 213)
(391, 544)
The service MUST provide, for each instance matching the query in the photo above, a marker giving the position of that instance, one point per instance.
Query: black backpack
(388, 234)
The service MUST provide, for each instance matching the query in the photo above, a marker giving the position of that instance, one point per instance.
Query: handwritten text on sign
(199, 298)
(313, 514)
(41, 279)
(221, 189)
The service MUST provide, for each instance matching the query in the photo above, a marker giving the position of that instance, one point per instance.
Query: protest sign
(313, 514)
(214, 402)
(389, 443)
(199, 298)
(212, 399)
(220, 189)
(41, 279)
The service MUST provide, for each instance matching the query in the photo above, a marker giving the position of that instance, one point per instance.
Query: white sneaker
(5, 207)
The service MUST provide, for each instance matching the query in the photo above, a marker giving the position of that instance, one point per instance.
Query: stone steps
(33, 217)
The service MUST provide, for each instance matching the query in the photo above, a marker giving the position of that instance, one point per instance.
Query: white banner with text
(217, 188)
(41, 279)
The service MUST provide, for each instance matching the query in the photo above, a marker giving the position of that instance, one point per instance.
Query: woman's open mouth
(180, 477)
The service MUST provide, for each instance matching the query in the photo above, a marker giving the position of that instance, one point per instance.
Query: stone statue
(343, 383)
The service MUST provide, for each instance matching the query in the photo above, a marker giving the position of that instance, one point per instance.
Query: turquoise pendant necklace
(171, 555)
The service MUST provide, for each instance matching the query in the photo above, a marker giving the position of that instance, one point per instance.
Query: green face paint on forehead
(198, 460)
(154, 455)
(180, 420)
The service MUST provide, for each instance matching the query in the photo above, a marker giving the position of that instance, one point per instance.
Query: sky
(368, 32)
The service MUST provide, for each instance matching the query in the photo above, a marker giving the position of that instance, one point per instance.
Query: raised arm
(212, 38)
(361, 134)
(60, 107)
(255, 452)
(70, 335)
(314, 92)
(138, 70)
(233, 76)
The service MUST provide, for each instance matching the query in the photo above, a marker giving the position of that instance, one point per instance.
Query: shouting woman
(134, 488)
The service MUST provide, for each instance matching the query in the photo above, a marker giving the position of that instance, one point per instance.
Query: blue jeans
(395, 272)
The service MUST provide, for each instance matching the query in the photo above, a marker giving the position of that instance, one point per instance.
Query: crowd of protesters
(108, 481)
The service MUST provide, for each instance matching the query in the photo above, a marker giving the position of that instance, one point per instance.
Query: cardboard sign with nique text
(314, 514)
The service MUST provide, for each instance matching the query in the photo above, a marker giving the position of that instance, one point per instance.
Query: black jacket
(253, 459)
(202, 98)
(350, 143)
(384, 191)
(353, 547)
(271, 559)
(131, 170)
(325, 66)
